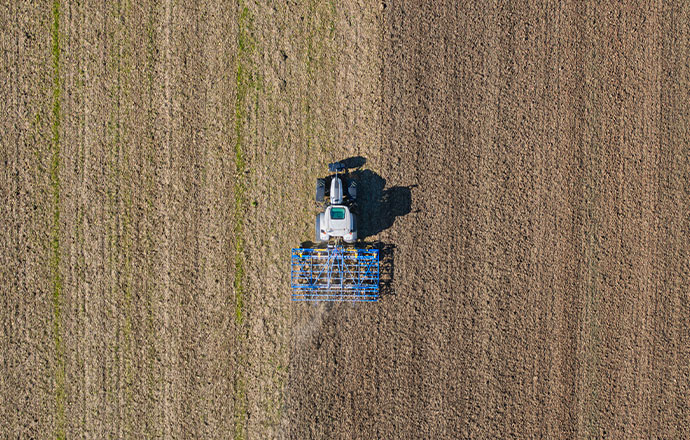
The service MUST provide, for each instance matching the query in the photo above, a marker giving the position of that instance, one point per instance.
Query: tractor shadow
(377, 209)
(377, 206)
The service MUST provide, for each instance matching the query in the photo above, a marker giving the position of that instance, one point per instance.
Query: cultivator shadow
(335, 273)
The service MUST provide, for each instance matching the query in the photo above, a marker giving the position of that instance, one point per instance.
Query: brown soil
(527, 177)
(540, 281)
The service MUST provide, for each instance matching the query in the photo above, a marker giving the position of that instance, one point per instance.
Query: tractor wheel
(317, 230)
(354, 230)
(320, 189)
(352, 190)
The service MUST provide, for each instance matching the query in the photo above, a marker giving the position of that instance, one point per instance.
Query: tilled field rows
(27, 217)
(158, 166)
(540, 282)
(145, 226)
(145, 260)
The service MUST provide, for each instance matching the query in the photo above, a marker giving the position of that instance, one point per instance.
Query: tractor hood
(336, 191)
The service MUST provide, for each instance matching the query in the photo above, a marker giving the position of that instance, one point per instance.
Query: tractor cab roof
(338, 220)
(338, 212)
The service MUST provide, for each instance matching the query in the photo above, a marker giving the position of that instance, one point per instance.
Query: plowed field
(527, 176)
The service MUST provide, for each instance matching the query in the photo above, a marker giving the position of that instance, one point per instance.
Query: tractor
(337, 221)
(335, 272)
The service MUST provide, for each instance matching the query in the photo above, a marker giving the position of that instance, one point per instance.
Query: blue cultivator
(335, 273)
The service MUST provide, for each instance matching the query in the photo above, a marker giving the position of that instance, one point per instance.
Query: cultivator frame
(335, 273)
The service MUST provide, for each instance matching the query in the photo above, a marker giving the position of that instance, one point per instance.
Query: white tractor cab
(337, 221)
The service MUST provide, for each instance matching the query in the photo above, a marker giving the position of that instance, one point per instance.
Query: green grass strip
(55, 231)
(245, 82)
